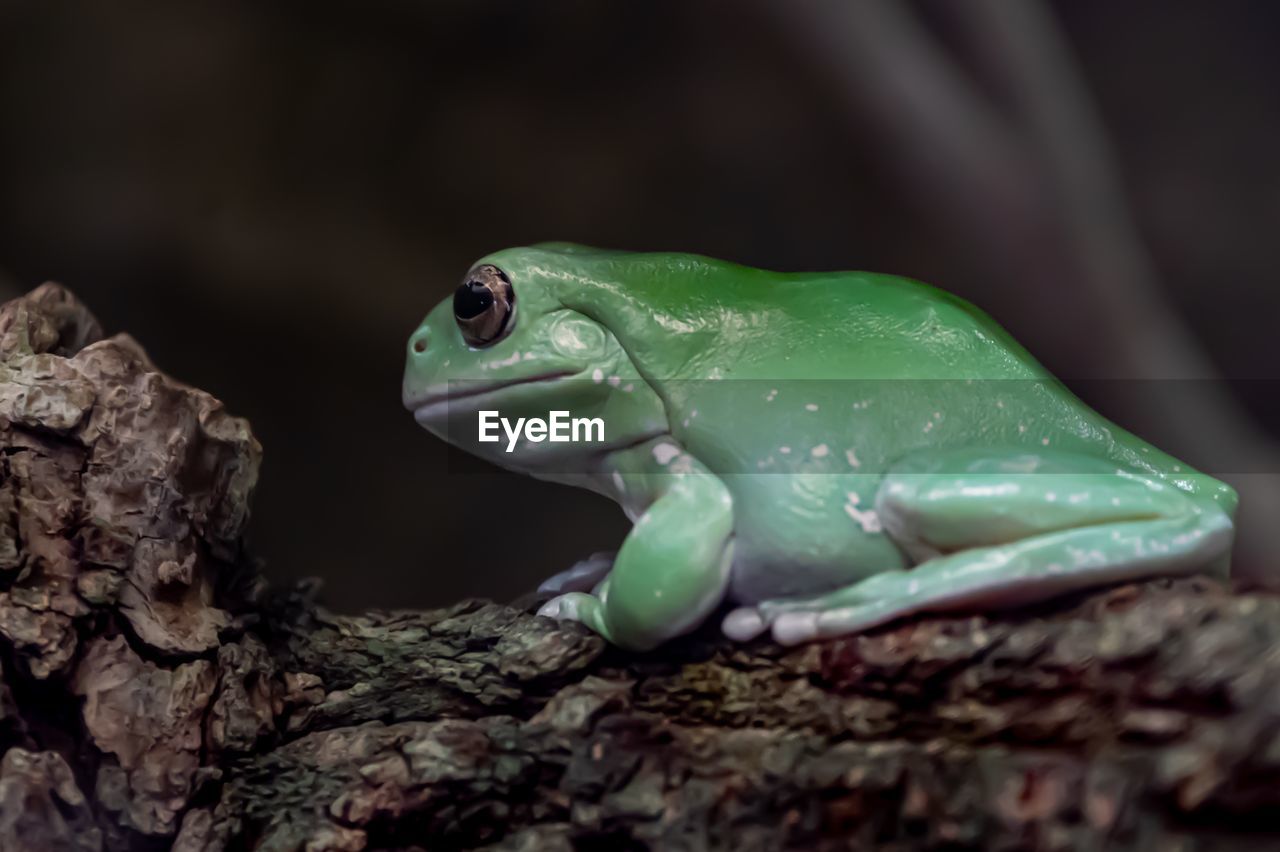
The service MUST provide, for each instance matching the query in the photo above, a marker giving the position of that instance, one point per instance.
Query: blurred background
(270, 195)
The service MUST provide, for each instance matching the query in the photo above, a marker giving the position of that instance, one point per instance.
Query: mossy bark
(157, 694)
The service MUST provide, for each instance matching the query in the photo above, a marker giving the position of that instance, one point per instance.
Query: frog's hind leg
(1003, 530)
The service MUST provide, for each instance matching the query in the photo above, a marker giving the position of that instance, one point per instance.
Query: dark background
(270, 195)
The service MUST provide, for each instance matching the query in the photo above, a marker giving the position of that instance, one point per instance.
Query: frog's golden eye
(484, 305)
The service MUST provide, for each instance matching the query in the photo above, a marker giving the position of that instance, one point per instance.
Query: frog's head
(518, 337)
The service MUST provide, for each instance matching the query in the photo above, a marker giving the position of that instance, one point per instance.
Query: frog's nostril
(419, 342)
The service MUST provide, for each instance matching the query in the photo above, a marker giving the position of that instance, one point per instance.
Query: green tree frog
(823, 452)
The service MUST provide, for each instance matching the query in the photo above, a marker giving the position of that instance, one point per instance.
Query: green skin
(818, 508)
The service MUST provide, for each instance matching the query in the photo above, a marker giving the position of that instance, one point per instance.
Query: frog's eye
(484, 305)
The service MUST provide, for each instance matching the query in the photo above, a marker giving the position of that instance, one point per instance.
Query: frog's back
(685, 316)
(851, 363)
(875, 367)
(859, 325)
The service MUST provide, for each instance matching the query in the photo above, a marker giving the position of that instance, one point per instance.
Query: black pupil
(471, 300)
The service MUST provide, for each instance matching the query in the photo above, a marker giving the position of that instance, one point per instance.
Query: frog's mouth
(433, 403)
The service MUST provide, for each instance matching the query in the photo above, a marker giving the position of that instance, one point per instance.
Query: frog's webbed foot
(583, 576)
(1006, 530)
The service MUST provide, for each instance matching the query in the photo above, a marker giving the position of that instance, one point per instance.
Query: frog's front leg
(673, 568)
(997, 530)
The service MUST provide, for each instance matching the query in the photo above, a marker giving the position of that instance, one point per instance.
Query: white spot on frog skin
(505, 362)
(614, 381)
(628, 387)
(685, 422)
(664, 453)
(446, 363)
(896, 488)
(693, 413)
(1115, 501)
(809, 406)
(1044, 441)
(999, 403)
(820, 451)
(861, 404)
(928, 427)
(913, 587)
(619, 483)
(784, 450)
(868, 520)
(1022, 427)
(771, 395)
(597, 375)
(852, 458)
(1050, 496)
(937, 415)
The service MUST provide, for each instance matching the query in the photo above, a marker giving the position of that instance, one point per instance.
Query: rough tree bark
(157, 694)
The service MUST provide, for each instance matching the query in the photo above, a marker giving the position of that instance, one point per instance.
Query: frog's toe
(792, 628)
(796, 617)
(848, 620)
(744, 624)
(562, 608)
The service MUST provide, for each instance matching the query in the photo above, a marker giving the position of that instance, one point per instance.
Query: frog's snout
(418, 368)
(419, 342)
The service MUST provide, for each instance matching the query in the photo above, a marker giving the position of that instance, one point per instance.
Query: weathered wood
(156, 694)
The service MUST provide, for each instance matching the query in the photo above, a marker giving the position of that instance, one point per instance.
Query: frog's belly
(798, 535)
